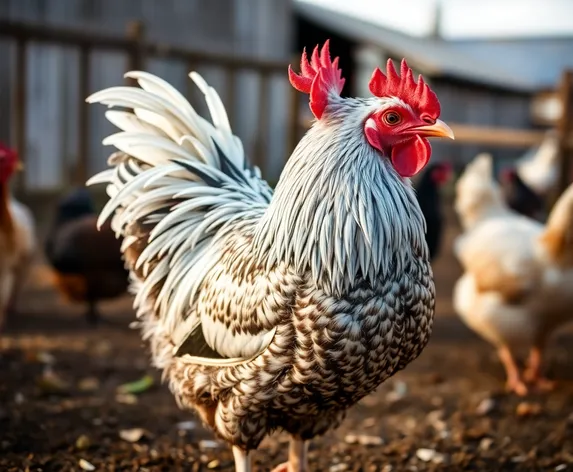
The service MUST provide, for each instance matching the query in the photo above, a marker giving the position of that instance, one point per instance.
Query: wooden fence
(137, 49)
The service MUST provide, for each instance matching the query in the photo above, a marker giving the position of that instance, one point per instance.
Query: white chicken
(538, 168)
(518, 282)
(17, 237)
(478, 197)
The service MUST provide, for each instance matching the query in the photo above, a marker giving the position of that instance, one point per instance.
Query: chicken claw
(514, 382)
(297, 457)
(533, 375)
(282, 468)
(516, 386)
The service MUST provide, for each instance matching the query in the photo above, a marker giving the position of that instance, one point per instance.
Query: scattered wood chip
(50, 382)
(139, 386)
(85, 465)
(528, 409)
(338, 467)
(214, 464)
(131, 435)
(88, 384)
(19, 398)
(400, 391)
(363, 440)
(369, 422)
(126, 398)
(435, 419)
(486, 406)
(561, 467)
(209, 444)
(186, 425)
(45, 358)
(103, 348)
(485, 444)
(83, 442)
(430, 455)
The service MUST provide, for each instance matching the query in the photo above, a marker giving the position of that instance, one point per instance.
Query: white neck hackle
(340, 210)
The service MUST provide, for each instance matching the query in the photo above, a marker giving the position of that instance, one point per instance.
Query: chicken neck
(5, 215)
(340, 210)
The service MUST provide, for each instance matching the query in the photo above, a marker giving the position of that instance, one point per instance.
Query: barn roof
(433, 57)
(542, 60)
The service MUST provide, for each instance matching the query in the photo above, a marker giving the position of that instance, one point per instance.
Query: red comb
(319, 77)
(6, 151)
(416, 94)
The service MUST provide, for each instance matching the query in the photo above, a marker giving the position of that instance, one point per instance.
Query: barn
(472, 89)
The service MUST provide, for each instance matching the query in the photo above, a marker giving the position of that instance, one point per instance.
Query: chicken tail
(557, 239)
(177, 183)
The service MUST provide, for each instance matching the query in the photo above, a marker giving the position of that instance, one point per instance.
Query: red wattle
(410, 157)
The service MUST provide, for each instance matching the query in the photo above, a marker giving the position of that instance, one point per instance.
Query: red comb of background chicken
(6, 151)
(416, 94)
(8, 160)
(319, 77)
(442, 172)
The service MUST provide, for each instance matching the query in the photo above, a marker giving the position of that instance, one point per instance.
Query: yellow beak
(438, 130)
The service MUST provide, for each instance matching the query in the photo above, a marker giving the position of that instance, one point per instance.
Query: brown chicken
(17, 236)
(87, 263)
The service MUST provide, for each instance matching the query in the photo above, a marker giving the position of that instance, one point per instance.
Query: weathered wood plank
(564, 130)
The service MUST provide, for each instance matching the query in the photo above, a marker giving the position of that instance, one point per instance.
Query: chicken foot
(92, 313)
(243, 461)
(20, 275)
(514, 382)
(297, 457)
(532, 373)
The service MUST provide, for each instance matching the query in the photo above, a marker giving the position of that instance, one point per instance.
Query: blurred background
(503, 71)
(496, 64)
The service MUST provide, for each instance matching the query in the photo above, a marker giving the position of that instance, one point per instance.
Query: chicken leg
(297, 457)
(21, 273)
(92, 313)
(532, 373)
(514, 382)
(242, 460)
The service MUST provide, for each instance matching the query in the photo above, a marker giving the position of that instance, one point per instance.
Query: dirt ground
(60, 409)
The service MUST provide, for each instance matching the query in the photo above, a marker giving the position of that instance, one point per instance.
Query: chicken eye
(392, 118)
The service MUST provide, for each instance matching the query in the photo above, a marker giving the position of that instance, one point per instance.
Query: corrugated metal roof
(541, 60)
(433, 57)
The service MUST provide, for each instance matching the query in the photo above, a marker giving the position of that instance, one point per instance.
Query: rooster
(428, 194)
(516, 289)
(17, 236)
(87, 263)
(280, 309)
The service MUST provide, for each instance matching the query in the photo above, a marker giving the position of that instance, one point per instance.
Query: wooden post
(263, 127)
(81, 173)
(564, 131)
(136, 60)
(19, 109)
